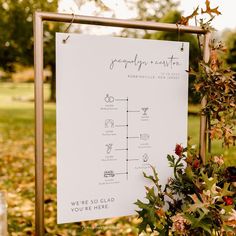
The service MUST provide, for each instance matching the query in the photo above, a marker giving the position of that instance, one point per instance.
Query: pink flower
(179, 150)
(179, 224)
(218, 160)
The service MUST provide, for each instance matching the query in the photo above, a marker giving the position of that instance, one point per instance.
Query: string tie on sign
(68, 27)
(178, 32)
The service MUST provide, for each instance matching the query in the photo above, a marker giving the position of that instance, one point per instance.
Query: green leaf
(225, 191)
(206, 227)
(199, 222)
(154, 178)
(228, 229)
(171, 160)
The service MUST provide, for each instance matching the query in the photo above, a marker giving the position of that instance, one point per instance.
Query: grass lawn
(17, 167)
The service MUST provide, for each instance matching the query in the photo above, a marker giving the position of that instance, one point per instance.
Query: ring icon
(109, 99)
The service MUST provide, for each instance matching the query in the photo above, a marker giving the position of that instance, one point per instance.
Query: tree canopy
(16, 26)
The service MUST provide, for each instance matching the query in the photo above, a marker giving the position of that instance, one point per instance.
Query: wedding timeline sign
(121, 107)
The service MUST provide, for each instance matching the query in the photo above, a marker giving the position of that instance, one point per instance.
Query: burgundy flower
(179, 150)
(228, 200)
(196, 164)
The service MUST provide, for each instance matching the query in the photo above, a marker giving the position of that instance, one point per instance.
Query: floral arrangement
(200, 199)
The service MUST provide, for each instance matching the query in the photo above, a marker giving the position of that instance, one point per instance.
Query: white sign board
(121, 107)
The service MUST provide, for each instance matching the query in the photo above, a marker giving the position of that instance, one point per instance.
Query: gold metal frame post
(39, 18)
(203, 118)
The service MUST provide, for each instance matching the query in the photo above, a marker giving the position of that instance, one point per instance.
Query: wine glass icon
(145, 109)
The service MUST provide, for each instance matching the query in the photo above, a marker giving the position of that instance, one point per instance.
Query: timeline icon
(109, 99)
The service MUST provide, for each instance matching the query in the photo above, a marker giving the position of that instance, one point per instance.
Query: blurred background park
(17, 96)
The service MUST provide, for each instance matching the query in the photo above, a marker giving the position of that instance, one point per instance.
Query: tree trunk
(53, 83)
